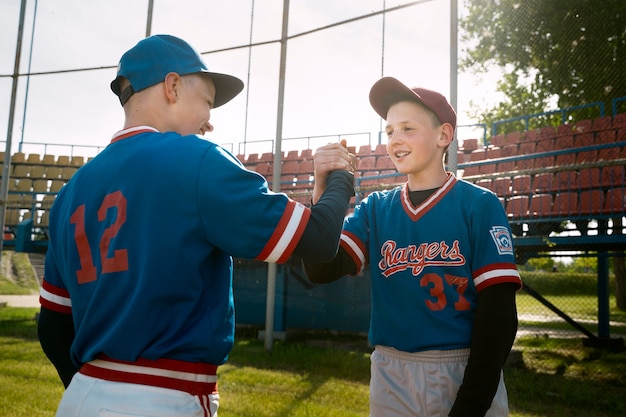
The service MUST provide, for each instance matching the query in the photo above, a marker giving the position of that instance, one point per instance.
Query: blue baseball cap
(148, 62)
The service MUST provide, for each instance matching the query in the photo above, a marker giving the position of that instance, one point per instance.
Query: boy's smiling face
(416, 139)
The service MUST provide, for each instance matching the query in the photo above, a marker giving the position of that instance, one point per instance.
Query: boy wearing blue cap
(137, 304)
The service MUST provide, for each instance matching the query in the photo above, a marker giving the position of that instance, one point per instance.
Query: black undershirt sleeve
(320, 239)
(323, 273)
(56, 334)
(493, 334)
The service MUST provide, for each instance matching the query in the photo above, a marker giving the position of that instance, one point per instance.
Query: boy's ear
(172, 84)
(447, 134)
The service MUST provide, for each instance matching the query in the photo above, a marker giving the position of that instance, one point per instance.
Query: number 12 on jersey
(118, 262)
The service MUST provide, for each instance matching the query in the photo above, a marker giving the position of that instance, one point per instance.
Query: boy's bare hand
(329, 158)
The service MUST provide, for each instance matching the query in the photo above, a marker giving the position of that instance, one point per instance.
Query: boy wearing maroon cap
(443, 273)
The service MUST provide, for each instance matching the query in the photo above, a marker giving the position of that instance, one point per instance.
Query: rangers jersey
(429, 262)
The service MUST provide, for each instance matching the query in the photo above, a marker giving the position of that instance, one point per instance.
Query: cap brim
(226, 87)
(384, 89)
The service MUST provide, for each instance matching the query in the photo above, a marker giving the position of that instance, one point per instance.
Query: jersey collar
(416, 212)
(131, 131)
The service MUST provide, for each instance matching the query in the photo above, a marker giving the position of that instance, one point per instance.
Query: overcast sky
(328, 73)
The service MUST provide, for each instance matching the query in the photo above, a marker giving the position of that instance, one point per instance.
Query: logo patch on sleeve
(502, 239)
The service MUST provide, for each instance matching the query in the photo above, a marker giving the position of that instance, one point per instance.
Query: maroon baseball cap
(388, 91)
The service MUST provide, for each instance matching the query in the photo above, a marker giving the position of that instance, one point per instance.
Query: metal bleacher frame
(542, 229)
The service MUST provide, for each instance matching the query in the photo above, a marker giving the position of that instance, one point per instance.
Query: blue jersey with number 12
(141, 240)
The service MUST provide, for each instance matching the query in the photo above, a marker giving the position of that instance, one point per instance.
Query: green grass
(581, 308)
(326, 374)
(30, 385)
(17, 276)
(323, 374)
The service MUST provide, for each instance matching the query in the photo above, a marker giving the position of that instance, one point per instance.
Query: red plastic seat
(583, 126)
(290, 166)
(516, 137)
(619, 120)
(541, 205)
(565, 203)
(542, 182)
(589, 178)
(470, 171)
(545, 145)
(508, 150)
(601, 123)
(471, 144)
(501, 186)
(586, 156)
(380, 149)
(493, 152)
(565, 181)
(584, 139)
(591, 202)
(384, 162)
(525, 164)
(605, 136)
(615, 201)
(521, 184)
(564, 142)
(485, 183)
(565, 159)
(609, 154)
(366, 163)
(365, 178)
(487, 169)
(517, 206)
(546, 132)
(564, 129)
(478, 155)
(505, 166)
(526, 148)
(612, 176)
(365, 150)
(544, 162)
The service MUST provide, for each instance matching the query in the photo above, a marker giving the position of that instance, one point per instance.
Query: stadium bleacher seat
(63, 160)
(517, 206)
(591, 202)
(564, 142)
(502, 186)
(384, 163)
(565, 204)
(366, 163)
(615, 200)
(589, 178)
(21, 171)
(380, 149)
(521, 184)
(18, 158)
(33, 158)
(542, 182)
(541, 205)
(565, 181)
(48, 159)
(602, 123)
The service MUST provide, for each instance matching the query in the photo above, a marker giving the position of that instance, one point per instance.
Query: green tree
(574, 50)
(570, 52)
